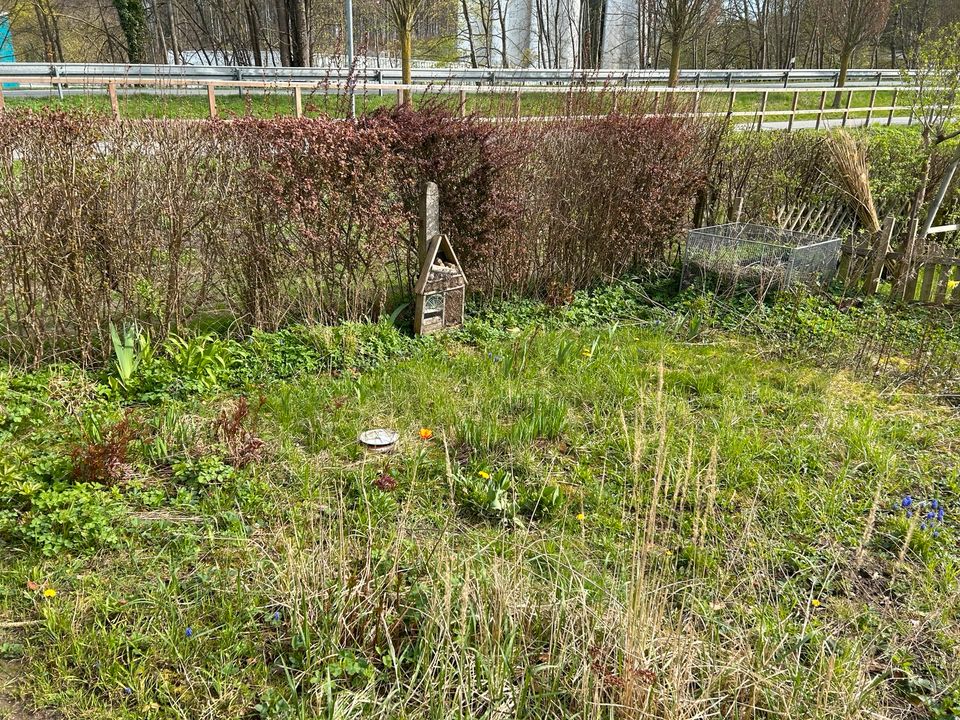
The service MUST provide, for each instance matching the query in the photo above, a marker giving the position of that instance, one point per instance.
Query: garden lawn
(577, 523)
(232, 103)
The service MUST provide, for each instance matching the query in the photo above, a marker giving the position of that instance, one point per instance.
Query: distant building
(6, 39)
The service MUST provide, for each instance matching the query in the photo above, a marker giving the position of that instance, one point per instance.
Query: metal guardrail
(81, 72)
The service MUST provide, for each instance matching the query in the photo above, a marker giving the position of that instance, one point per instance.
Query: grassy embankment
(234, 103)
(649, 518)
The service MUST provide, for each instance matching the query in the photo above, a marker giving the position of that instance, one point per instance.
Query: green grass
(234, 103)
(605, 517)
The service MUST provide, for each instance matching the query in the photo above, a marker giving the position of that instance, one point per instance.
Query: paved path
(876, 121)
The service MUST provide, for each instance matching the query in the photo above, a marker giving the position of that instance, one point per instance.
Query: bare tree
(850, 24)
(681, 19)
(402, 14)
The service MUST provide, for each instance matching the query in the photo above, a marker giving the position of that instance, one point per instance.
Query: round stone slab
(379, 439)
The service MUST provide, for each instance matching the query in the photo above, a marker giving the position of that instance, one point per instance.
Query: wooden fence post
(737, 208)
(793, 110)
(873, 99)
(943, 283)
(463, 103)
(763, 109)
(846, 109)
(879, 256)
(212, 100)
(906, 285)
(114, 103)
(823, 100)
(298, 101)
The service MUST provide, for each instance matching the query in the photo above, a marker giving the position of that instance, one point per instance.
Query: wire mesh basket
(745, 255)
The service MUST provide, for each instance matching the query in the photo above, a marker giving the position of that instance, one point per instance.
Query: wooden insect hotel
(441, 287)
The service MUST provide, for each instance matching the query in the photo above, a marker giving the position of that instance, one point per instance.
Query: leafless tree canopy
(496, 33)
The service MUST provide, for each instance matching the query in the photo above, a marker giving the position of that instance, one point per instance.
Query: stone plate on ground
(379, 439)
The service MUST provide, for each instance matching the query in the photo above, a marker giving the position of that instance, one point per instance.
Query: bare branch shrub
(265, 222)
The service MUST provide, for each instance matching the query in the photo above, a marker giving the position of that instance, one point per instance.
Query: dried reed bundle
(850, 159)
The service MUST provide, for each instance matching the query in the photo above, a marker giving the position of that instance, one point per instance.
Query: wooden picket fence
(933, 277)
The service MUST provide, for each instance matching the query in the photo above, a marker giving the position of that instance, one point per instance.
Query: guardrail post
(893, 107)
(613, 104)
(786, 79)
(463, 103)
(516, 104)
(55, 73)
(212, 100)
(733, 101)
(696, 103)
(823, 100)
(399, 98)
(793, 110)
(298, 101)
(114, 103)
(3, 103)
(656, 102)
(569, 103)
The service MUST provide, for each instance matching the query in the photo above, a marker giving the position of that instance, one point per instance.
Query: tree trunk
(44, 32)
(55, 33)
(174, 37)
(300, 44)
(845, 57)
(133, 23)
(406, 56)
(674, 62)
(469, 24)
(253, 28)
(283, 29)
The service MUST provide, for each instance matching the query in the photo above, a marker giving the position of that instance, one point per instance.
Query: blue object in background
(6, 45)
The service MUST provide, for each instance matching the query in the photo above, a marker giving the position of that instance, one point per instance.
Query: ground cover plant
(631, 505)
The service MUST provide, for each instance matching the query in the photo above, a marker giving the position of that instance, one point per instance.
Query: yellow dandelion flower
(484, 474)
(815, 602)
(586, 352)
(581, 517)
(49, 593)
(426, 433)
